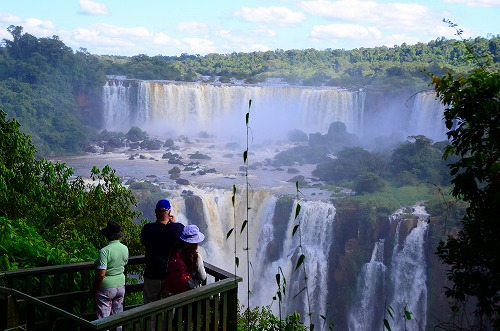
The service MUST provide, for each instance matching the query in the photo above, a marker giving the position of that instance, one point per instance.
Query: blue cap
(163, 204)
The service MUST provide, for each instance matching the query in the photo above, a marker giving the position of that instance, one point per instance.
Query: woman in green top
(109, 284)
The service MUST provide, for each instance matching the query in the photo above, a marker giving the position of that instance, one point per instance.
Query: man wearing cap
(109, 283)
(159, 237)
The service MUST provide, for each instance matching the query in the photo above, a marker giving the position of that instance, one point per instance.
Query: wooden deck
(58, 298)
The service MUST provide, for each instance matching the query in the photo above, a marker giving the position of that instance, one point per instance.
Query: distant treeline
(396, 67)
(54, 92)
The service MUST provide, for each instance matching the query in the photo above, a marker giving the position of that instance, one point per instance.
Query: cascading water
(118, 108)
(427, 117)
(316, 220)
(409, 278)
(186, 108)
(366, 311)
(189, 108)
(400, 286)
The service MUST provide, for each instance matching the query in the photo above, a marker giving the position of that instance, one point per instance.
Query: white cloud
(121, 32)
(200, 46)
(9, 19)
(33, 26)
(270, 15)
(476, 3)
(89, 7)
(401, 16)
(343, 31)
(346, 10)
(264, 31)
(192, 27)
(39, 27)
(163, 39)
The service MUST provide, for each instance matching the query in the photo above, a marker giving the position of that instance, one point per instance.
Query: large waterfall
(186, 108)
(271, 246)
(189, 107)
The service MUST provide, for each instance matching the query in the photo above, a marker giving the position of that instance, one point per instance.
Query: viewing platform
(58, 298)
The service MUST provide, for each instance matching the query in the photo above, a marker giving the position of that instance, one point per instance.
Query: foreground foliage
(473, 120)
(262, 318)
(43, 204)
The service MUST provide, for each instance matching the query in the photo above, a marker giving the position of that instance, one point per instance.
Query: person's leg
(152, 290)
(103, 303)
(117, 306)
(119, 296)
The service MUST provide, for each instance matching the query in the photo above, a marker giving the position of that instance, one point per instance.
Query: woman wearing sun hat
(185, 269)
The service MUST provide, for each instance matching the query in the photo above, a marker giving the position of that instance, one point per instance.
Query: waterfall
(427, 117)
(192, 107)
(367, 310)
(118, 108)
(408, 276)
(400, 285)
(316, 220)
(162, 107)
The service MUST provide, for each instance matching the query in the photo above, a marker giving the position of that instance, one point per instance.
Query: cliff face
(90, 109)
(356, 234)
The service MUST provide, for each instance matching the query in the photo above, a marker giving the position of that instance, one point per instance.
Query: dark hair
(189, 255)
(113, 236)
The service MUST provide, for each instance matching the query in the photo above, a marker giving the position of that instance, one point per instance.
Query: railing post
(3, 311)
(232, 309)
(12, 312)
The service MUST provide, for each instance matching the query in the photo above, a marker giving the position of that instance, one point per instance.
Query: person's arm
(99, 277)
(202, 274)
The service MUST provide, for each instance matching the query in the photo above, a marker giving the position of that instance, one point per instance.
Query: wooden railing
(58, 298)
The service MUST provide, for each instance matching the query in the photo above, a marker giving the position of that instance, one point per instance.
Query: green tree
(473, 119)
(349, 164)
(418, 158)
(62, 210)
(368, 182)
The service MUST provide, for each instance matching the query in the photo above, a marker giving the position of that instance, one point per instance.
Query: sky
(174, 27)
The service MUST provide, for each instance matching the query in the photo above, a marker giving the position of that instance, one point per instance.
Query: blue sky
(168, 27)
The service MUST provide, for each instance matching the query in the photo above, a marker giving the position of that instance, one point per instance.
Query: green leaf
(229, 233)
(300, 261)
(297, 210)
(407, 314)
(390, 310)
(249, 103)
(295, 228)
(243, 226)
(245, 156)
(237, 261)
(386, 324)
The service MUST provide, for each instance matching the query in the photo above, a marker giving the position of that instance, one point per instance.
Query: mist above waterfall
(168, 108)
